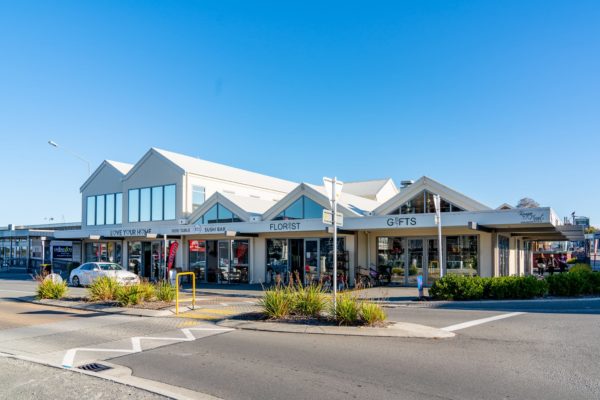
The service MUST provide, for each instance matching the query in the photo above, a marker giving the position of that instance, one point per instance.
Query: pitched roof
(365, 188)
(426, 183)
(122, 167)
(220, 171)
(252, 205)
(358, 204)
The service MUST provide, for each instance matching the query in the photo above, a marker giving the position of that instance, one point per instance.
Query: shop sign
(531, 216)
(130, 232)
(401, 221)
(200, 229)
(284, 226)
(197, 246)
(62, 252)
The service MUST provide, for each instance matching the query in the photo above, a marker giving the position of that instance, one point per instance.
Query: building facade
(234, 226)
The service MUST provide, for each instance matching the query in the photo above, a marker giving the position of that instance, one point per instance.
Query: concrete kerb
(135, 312)
(441, 303)
(122, 375)
(396, 329)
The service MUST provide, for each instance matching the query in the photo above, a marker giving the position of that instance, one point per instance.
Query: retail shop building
(234, 226)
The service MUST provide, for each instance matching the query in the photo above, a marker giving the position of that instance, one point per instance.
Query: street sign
(328, 218)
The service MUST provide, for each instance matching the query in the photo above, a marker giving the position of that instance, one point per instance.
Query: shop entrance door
(433, 262)
(212, 272)
(311, 261)
(224, 261)
(414, 266)
(146, 260)
(297, 259)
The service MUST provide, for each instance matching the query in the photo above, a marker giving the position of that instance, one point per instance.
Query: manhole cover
(94, 367)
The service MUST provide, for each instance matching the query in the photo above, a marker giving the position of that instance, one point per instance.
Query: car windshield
(110, 267)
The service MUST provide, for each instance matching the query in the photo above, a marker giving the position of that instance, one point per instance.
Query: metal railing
(177, 290)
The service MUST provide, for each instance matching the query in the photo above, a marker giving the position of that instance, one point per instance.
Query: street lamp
(54, 144)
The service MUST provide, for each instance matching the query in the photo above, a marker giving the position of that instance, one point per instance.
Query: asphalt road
(529, 356)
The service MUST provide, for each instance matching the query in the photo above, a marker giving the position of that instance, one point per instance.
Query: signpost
(438, 221)
(334, 191)
(328, 218)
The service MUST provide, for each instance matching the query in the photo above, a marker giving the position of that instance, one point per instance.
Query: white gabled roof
(505, 206)
(252, 205)
(122, 168)
(242, 206)
(426, 183)
(224, 172)
(359, 205)
(368, 189)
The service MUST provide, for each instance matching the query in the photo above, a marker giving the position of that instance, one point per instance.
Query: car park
(86, 273)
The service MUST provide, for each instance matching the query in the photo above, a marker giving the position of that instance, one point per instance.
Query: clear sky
(499, 100)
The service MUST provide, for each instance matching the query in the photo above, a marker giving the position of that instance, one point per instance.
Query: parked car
(86, 273)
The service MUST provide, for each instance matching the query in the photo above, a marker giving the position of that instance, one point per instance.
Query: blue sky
(499, 100)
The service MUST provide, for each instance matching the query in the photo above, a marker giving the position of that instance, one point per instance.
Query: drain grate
(94, 367)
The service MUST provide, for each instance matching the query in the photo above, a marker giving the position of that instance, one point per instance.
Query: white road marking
(136, 344)
(475, 322)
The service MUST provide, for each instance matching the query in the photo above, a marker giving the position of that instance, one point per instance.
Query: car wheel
(75, 281)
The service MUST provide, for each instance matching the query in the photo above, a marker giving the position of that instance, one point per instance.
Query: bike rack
(177, 290)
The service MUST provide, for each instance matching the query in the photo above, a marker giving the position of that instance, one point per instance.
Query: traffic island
(393, 329)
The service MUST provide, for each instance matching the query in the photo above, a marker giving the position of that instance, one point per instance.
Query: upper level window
(218, 214)
(152, 203)
(104, 209)
(423, 203)
(303, 208)
(198, 196)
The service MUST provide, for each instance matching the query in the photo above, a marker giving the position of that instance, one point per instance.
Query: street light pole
(54, 144)
(438, 221)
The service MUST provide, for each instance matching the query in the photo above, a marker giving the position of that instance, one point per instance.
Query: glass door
(311, 261)
(414, 267)
(433, 262)
(224, 261)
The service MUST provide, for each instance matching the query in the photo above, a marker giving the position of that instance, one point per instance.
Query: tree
(527, 202)
(591, 229)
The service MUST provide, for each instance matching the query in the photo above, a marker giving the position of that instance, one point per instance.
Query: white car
(86, 273)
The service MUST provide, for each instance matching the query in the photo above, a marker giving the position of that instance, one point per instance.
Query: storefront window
(462, 255)
(134, 256)
(277, 259)
(326, 255)
(391, 258)
(197, 256)
(503, 252)
(239, 261)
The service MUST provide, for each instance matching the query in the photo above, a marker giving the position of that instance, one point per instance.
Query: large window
(152, 203)
(462, 254)
(277, 258)
(423, 203)
(303, 208)
(198, 196)
(104, 209)
(218, 214)
(91, 210)
(197, 252)
(503, 254)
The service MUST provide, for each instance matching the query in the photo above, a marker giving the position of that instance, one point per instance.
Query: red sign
(172, 252)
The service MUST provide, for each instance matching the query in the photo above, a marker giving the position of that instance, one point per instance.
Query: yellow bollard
(177, 290)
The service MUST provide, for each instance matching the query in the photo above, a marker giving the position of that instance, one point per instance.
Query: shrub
(574, 283)
(347, 309)
(130, 295)
(164, 291)
(457, 287)
(372, 313)
(572, 260)
(104, 289)
(48, 289)
(580, 267)
(277, 303)
(148, 291)
(309, 301)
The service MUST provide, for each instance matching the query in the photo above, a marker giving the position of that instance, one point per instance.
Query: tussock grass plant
(104, 289)
(131, 295)
(372, 314)
(347, 309)
(309, 301)
(164, 291)
(48, 289)
(277, 303)
(148, 291)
